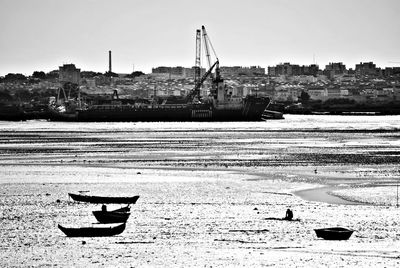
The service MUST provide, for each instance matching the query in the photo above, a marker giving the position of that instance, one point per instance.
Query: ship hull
(250, 110)
(119, 114)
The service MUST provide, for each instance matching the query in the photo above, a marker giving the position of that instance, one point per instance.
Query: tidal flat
(206, 191)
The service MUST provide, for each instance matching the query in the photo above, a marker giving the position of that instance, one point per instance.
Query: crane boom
(207, 50)
(196, 89)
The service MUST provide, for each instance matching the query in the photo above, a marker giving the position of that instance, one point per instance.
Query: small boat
(104, 199)
(279, 219)
(114, 216)
(334, 233)
(93, 231)
(268, 114)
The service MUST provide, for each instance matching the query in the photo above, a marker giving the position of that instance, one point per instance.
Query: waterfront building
(249, 89)
(369, 93)
(344, 92)
(175, 92)
(396, 93)
(68, 73)
(334, 93)
(385, 95)
(90, 82)
(287, 93)
(317, 93)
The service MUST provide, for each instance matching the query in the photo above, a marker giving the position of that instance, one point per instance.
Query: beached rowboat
(104, 199)
(334, 233)
(114, 216)
(92, 231)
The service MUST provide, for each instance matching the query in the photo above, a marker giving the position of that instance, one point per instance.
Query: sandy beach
(206, 193)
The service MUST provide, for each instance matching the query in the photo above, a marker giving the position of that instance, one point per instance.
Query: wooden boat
(268, 114)
(334, 233)
(114, 216)
(93, 231)
(279, 219)
(104, 199)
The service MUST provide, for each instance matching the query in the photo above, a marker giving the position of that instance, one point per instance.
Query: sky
(41, 35)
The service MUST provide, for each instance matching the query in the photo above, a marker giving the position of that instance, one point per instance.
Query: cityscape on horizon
(145, 35)
(391, 65)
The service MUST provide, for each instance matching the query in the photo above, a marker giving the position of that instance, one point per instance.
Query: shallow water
(206, 189)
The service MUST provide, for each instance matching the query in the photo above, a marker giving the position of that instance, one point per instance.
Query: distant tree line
(37, 75)
(135, 74)
(25, 95)
(40, 75)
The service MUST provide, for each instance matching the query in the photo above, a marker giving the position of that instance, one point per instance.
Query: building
(284, 69)
(396, 93)
(175, 72)
(68, 73)
(235, 71)
(335, 68)
(366, 68)
(345, 78)
(293, 69)
(392, 71)
(318, 93)
(168, 70)
(334, 93)
(287, 93)
(312, 69)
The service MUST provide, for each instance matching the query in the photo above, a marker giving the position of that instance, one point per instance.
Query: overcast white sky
(44, 34)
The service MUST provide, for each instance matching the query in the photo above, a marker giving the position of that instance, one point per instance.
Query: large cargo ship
(248, 109)
(218, 105)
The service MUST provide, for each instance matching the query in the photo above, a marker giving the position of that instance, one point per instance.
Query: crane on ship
(198, 79)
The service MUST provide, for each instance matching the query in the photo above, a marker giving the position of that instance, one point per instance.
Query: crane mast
(197, 66)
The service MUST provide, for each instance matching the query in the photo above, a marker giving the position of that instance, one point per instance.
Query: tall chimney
(109, 61)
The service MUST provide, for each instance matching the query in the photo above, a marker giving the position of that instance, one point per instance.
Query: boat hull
(104, 199)
(92, 231)
(111, 216)
(335, 233)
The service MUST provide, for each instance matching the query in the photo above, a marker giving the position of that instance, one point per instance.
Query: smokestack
(109, 61)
